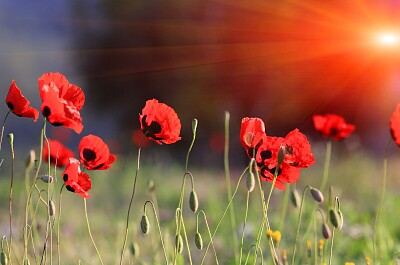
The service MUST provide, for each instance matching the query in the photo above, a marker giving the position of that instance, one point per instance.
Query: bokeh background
(279, 60)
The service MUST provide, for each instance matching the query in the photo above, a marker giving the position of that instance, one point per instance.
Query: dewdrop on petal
(326, 231)
(179, 243)
(3, 258)
(193, 201)
(198, 240)
(295, 198)
(317, 195)
(145, 224)
(334, 218)
(47, 179)
(52, 208)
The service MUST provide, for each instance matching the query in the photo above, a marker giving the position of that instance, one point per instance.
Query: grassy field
(355, 177)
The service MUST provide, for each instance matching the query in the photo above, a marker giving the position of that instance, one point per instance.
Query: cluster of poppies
(61, 105)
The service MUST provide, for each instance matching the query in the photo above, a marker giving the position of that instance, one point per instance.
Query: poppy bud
(11, 138)
(334, 218)
(317, 195)
(340, 220)
(151, 185)
(250, 181)
(134, 248)
(47, 179)
(145, 224)
(281, 154)
(194, 125)
(3, 258)
(193, 201)
(198, 240)
(326, 231)
(179, 243)
(295, 198)
(27, 262)
(31, 159)
(52, 208)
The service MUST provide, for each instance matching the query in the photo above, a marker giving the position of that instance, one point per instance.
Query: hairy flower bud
(3, 258)
(317, 195)
(134, 248)
(195, 122)
(326, 231)
(250, 181)
(179, 243)
(334, 218)
(193, 201)
(198, 240)
(30, 161)
(295, 198)
(145, 224)
(47, 179)
(52, 208)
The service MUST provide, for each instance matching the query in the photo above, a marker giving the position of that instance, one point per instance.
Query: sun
(388, 38)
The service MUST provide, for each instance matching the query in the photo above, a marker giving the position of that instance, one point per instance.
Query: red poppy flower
(61, 101)
(59, 154)
(75, 180)
(286, 174)
(18, 104)
(138, 139)
(94, 153)
(332, 125)
(267, 153)
(252, 132)
(298, 150)
(160, 122)
(395, 125)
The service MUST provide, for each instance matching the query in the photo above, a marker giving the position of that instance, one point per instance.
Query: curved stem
(298, 223)
(223, 214)
(209, 234)
(194, 129)
(381, 200)
(90, 233)
(130, 202)
(159, 228)
(2, 130)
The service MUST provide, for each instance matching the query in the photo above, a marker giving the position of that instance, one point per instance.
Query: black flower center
(334, 131)
(65, 177)
(10, 105)
(152, 129)
(267, 154)
(69, 188)
(89, 155)
(46, 111)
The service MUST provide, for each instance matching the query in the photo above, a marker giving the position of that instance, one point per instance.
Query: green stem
(130, 203)
(159, 228)
(2, 130)
(90, 233)
(244, 227)
(284, 208)
(223, 214)
(326, 165)
(58, 226)
(229, 188)
(209, 234)
(381, 200)
(298, 223)
(11, 192)
(194, 129)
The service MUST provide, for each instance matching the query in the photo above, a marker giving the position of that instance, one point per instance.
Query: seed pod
(317, 195)
(281, 154)
(145, 224)
(134, 248)
(52, 208)
(250, 181)
(334, 218)
(198, 240)
(179, 243)
(47, 179)
(341, 221)
(326, 231)
(295, 198)
(3, 258)
(193, 201)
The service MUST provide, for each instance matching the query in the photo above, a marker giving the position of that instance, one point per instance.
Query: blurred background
(281, 61)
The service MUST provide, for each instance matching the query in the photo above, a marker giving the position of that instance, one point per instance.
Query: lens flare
(388, 39)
